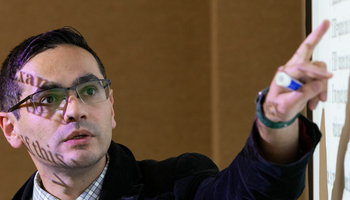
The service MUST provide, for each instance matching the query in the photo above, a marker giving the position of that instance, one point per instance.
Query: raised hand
(282, 104)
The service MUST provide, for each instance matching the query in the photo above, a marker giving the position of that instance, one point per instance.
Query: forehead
(62, 65)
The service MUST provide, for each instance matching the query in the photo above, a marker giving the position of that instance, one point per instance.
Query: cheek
(103, 116)
(37, 136)
(37, 147)
(35, 129)
(42, 152)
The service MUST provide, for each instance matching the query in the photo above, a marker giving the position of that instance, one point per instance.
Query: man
(56, 100)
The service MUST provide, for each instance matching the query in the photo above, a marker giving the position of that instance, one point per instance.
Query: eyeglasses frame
(15, 107)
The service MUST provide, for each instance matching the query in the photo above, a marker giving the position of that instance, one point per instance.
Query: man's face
(77, 134)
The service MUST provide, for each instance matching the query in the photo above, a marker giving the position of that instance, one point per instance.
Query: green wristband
(261, 116)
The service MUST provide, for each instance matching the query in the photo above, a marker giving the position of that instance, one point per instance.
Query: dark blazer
(195, 176)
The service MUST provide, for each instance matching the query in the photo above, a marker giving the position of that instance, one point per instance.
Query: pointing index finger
(306, 48)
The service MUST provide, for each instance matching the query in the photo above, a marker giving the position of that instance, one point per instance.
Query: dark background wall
(184, 73)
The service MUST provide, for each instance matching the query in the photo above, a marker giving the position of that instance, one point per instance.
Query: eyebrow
(77, 81)
(48, 85)
(86, 78)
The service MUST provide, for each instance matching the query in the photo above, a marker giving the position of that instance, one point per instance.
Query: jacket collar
(121, 178)
(123, 174)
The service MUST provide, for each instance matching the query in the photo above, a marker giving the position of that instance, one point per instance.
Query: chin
(84, 159)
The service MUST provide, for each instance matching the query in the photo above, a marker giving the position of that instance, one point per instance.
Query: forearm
(279, 145)
(252, 176)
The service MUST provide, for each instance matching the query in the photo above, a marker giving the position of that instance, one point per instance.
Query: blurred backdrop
(185, 73)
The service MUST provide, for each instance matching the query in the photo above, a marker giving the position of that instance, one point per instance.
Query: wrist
(260, 99)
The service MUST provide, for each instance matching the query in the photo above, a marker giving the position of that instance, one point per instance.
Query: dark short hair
(10, 91)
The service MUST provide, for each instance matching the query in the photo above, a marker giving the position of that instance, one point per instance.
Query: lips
(78, 137)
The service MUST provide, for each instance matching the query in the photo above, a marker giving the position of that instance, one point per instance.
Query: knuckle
(320, 64)
(281, 68)
(308, 46)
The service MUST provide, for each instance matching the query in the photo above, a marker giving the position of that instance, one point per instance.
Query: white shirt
(91, 193)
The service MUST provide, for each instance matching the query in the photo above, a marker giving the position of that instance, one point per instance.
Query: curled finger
(316, 70)
(312, 89)
(321, 65)
(323, 96)
(312, 104)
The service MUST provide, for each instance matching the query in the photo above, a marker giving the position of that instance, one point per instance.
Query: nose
(75, 109)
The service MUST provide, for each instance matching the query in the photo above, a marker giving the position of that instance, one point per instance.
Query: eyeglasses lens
(89, 92)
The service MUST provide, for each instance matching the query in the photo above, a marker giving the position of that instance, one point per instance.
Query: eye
(89, 91)
(53, 96)
(49, 99)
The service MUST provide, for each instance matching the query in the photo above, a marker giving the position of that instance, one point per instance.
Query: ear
(114, 123)
(7, 123)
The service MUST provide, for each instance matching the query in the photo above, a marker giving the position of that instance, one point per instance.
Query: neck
(70, 183)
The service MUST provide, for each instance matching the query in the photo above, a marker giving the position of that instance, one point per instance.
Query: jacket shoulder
(26, 191)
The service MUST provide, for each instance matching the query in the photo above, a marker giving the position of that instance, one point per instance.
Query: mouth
(78, 137)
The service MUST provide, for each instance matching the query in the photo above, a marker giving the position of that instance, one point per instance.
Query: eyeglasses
(46, 101)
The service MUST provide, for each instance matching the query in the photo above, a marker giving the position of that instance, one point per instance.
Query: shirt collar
(91, 193)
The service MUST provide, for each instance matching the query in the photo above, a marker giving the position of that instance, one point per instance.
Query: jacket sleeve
(176, 177)
(250, 176)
